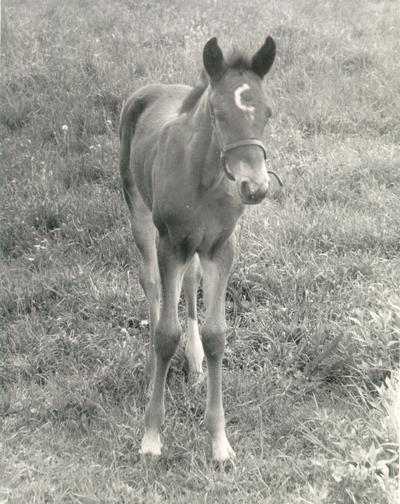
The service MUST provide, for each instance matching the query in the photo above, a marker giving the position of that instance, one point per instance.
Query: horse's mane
(195, 94)
(235, 59)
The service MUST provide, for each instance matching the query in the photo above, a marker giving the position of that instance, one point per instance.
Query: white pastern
(249, 109)
(151, 444)
(194, 349)
(222, 450)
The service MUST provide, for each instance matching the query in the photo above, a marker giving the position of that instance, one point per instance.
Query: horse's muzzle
(252, 193)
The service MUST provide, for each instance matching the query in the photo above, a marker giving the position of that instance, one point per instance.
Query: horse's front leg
(216, 272)
(166, 339)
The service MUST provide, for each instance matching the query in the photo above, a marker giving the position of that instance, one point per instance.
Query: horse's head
(239, 113)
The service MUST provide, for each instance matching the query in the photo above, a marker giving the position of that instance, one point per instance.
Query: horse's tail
(130, 114)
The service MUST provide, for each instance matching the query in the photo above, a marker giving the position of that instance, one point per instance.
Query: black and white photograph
(199, 251)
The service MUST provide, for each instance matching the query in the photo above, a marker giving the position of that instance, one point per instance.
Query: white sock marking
(151, 444)
(194, 348)
(221, 449)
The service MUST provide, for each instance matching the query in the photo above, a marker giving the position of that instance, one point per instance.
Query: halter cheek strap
(233, 145)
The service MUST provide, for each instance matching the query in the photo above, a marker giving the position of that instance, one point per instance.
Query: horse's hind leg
(194, 348)
(144, 233)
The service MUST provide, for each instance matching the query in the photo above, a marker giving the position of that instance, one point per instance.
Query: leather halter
(233, 145)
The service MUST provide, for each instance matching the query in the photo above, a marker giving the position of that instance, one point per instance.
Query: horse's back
(143, 117)
(159, 102)
(153, 106)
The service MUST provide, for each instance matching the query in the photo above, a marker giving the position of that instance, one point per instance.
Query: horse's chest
(206, 228)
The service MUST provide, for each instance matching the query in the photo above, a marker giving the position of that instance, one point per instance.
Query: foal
(190, 160)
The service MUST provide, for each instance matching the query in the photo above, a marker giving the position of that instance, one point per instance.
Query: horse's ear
(213, 59)
(264, 57)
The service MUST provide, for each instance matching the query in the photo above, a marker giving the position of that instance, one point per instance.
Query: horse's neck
(204, 149)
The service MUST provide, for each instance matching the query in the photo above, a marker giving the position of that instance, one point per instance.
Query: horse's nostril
(245, 189)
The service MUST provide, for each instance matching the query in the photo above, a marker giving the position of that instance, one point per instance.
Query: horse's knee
(149, 283)
(166, 339)
(213, 339)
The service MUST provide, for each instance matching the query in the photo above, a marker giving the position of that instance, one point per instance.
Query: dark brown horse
(191, 159)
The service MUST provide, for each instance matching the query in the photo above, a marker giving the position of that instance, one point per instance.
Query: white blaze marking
(249, 109)
(194, 348)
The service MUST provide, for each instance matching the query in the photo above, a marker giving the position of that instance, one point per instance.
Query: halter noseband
(233, 145)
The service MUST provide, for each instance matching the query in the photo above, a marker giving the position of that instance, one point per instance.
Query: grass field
(310, 375)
